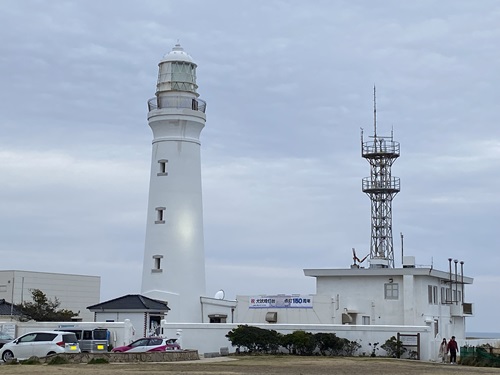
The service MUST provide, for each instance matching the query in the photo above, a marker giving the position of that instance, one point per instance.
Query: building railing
(177, 102)
(390, 186)
(381, 147)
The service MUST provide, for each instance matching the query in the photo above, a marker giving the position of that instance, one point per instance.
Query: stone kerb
(169, 356)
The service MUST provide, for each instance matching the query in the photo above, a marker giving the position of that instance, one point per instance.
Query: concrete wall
(217, 307)
(209, 338)
(75, 292)
(137, 321)
(169, 356)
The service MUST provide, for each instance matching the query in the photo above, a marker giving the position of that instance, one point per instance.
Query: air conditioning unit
(408, 261)
(272, 317)
(346, 318)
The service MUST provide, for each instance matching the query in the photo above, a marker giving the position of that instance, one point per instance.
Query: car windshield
(155, 341)
(100, 334)
(69, 338)
(140, 342)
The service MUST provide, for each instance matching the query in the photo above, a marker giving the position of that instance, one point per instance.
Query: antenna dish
(219, 295)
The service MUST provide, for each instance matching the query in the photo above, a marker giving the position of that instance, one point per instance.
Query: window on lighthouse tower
(157, 263)
(160, 219)
(162, 163)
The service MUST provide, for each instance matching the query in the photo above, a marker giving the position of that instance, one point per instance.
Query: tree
(43, 309)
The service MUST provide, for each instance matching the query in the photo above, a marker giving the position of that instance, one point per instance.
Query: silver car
(40, 344)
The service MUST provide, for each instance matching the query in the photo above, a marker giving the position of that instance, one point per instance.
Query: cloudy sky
(288, 85)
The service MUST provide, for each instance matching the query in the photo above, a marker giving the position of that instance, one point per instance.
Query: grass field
(268, 365)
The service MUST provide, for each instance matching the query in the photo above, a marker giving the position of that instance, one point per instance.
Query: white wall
(137, 320)
(208, 338)
(75, 292)
(364, 296)
(214, 306)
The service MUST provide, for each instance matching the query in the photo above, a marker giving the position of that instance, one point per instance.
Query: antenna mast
(381, 152)
(374, 113)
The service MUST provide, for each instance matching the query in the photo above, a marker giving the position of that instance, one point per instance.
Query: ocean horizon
(482, 335)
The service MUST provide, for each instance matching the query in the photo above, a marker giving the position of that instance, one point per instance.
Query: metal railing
(177, 102)
(381, 147)
(391, 185)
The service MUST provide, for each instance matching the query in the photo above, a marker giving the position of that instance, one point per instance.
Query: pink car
(148, 344)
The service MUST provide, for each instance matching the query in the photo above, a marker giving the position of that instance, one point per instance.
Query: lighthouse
(174, 265)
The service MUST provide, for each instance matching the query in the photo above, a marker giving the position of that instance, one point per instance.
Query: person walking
(443, 349)
(453, 349)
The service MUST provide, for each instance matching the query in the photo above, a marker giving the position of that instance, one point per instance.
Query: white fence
(210, 338)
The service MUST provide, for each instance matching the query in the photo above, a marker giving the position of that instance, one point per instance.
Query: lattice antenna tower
(381, 152)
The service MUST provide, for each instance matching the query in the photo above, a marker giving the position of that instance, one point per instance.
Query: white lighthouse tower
(174, 262)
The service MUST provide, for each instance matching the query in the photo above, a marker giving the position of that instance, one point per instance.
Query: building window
(366, 320)
(391, 291)
(163, 167)
(160, 215)
(432, 293)
(157, 263)
(194, 105)
(217, 318)
(3, 288)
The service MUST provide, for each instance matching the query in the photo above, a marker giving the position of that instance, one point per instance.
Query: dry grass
(268, 365)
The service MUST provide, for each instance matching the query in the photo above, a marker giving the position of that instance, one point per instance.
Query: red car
(148, 344)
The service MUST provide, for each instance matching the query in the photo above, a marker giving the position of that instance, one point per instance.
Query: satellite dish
(219, 295)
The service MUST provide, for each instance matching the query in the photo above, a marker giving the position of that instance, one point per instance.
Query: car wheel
(51, 353)
(7, 355)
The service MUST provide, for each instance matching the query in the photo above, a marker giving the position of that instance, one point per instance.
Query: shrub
(327, 343)
(301, 342)
(260, 340)
(254, 339)
(349, 347)
(393, 347)
(374, 348)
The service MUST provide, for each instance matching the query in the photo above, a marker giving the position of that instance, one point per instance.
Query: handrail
(177, 102)
(390, 185)
(381, 147)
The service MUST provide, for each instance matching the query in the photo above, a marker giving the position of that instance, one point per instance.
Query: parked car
(91, 340)
(5, 338)
(149, 344)
(40, 344)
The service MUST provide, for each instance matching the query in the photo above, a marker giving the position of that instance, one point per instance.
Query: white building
(74, 292)
(174, 261)
(406, 296)
(373, 303)
(145, 314)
